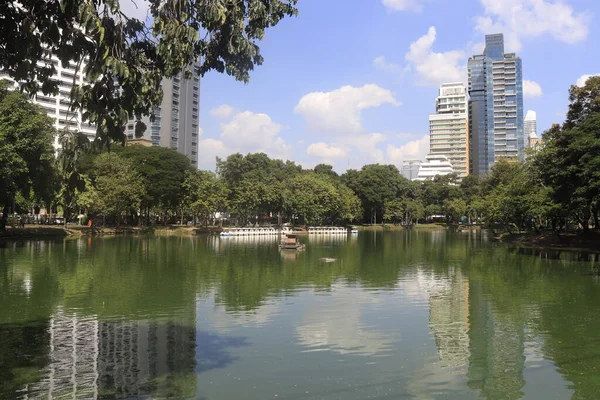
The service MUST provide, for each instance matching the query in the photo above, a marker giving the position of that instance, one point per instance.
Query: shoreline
(589, 242)
(59, 231)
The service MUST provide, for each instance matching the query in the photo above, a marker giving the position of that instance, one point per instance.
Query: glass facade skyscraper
(495, 106)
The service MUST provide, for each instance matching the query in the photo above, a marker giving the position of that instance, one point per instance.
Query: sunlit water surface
(421, 315)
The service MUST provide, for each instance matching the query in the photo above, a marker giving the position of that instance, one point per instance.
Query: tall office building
(495, 106)
(57, 107)
(530, 125)
(449, 127)
(410, 169)
(176, 120)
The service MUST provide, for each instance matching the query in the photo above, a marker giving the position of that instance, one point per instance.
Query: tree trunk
(4, 218)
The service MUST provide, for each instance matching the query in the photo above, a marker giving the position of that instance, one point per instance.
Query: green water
(421, 315)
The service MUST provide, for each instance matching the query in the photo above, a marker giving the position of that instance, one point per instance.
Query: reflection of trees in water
(23, 353)
(497, 359)
(149, 277)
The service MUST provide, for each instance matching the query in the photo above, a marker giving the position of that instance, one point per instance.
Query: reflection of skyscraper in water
(449, 319)
(73, 359)
(92, 359)
(497, 357)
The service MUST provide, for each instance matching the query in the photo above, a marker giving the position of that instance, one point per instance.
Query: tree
(255, 183)
(71, 178)
(318, 200)
(325, 169)
(456, 208)
(376, 185)
(569, 161)
(26, 153)
(584, 102)
(163, 171)
(204, 194)
(117, 188)
(126, 58)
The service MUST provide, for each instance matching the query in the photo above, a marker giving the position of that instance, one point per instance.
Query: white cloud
(251, 131)
(531, 89)
(208, 150)
(402, 5)
(224, 111)
(415, 150)
(435, 68)
(357, 150)
(339, 111)
(519, 19)
(383, 65)
(247, 132)
(583, 79)
(325, 151)
(139, 9)
(367, 147)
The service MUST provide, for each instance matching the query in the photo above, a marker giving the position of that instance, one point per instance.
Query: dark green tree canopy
(125, 58)
(26, 152)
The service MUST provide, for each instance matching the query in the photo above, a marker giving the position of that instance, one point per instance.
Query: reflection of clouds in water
(434, 381)
(224, 321)
(335, 324)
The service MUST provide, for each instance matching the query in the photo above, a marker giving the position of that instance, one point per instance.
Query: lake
(415, 315)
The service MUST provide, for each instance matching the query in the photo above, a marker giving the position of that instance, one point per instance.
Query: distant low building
(535, 142)
(410, 169)
(140, 142)
(435, 165)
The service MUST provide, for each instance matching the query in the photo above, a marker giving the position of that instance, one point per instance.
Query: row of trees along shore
(556, 186)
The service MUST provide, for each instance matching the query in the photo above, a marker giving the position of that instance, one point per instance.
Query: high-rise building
(176, 120)
(495, 106)
(449, 126)
(530, 125)
(57, 107)
(410, 169)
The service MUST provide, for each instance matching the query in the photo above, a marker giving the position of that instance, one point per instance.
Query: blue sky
(352, 82)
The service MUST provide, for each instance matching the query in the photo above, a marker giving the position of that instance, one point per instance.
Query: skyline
(358, 88)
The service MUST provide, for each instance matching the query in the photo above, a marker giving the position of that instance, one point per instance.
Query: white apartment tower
(176, 120)
(57, 107)
(449, 127)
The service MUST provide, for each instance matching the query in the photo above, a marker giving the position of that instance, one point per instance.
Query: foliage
(117, 186)
(125, 58)
(204, 194)
(26, 153)
(569, 162)
(163, 171)
(316, 199)
(376, 185)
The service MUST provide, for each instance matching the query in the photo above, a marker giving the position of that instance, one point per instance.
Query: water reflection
(334, 322)
(89, 358)
(421, 314)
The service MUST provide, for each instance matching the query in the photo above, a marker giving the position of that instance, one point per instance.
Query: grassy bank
(385, 227)
(391, 227)
(574, 241)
